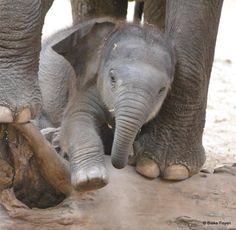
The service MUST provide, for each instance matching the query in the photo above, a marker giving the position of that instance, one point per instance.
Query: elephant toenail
(5, 115)
(176, 172)
(148, 168)
(91, 178)
(23, 116)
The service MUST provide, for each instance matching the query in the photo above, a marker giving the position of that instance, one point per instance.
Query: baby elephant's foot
(88, 178)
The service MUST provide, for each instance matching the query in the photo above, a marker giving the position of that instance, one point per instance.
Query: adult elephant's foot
(20, 100)
(90, 177)
(168, 154)
(7, 116)
(147, 167)
(150, 169)
(176, 172)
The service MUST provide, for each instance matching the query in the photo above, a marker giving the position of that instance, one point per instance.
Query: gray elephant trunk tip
(118, 162)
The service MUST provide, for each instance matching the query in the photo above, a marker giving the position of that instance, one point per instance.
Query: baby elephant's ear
(81, 47)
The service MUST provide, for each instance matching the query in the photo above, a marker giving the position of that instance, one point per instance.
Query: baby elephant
(123, 71)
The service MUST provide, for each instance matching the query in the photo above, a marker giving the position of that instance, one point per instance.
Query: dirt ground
(205, 201)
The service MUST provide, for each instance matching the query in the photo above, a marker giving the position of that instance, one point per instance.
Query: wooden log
(54, 168)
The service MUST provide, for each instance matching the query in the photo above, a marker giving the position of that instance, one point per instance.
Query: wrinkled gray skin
(153, 11)
(123, 72)
(56, 78)
(174, 137)
(20, 35)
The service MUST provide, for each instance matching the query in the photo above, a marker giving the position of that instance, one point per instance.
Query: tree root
(30, 166)
(54, 168)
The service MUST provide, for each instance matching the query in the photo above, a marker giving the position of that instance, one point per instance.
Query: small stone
(205, 171)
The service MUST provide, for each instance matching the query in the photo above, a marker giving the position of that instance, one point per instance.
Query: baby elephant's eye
(112, 76)
(162, 90)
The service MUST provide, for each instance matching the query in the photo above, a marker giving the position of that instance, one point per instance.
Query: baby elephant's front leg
(79, 137)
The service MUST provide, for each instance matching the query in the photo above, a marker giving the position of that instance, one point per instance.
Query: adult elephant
(172, 142)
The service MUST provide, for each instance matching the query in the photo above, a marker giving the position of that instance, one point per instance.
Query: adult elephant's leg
(138, 11)
(80, 138)
(20, 37)
(154, 12)
(174, 138)
(82, 9)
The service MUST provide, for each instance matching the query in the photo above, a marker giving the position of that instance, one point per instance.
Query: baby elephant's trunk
(131, 113)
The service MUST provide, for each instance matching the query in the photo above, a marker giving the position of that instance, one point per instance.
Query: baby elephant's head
(135, 75)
